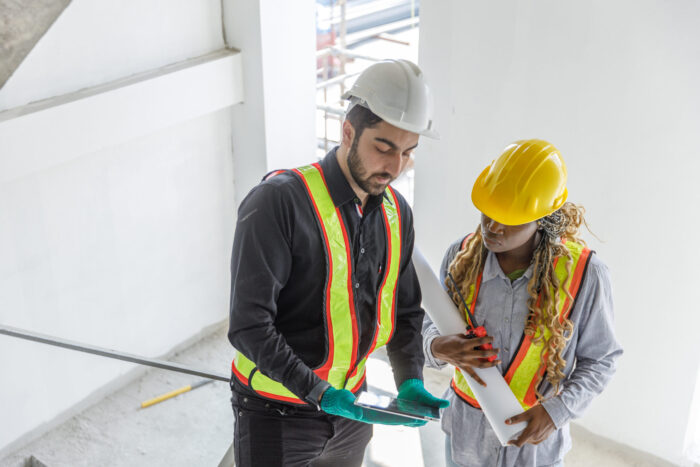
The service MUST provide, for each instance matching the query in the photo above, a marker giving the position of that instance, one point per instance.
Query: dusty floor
(195, 428)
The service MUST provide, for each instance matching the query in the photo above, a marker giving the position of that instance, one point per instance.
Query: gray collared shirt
(590, 363)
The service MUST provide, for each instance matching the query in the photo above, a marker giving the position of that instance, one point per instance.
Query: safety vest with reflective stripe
(342, 367)
(527, 367)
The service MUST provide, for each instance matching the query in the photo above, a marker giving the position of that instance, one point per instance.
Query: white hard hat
(396, 92)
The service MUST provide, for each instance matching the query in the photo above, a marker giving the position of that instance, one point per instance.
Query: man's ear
(348, 134)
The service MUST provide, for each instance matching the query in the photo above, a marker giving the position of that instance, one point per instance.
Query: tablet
(401, 407)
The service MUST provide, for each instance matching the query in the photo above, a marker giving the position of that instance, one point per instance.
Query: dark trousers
(267, 434)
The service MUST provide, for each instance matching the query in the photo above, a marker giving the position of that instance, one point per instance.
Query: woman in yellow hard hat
(545, 300)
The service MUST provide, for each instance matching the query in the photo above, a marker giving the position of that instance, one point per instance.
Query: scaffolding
(332, 59)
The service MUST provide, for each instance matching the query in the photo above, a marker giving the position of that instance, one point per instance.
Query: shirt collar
(492, 269)
(338, 186)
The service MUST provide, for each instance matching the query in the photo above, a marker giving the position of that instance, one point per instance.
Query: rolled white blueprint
(496, 399)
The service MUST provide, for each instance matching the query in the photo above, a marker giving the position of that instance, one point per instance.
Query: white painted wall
(242, 28)
(95, 118)
(614, 86)
(289, 72)
(126, 246)
(274, 128)
(94, 42)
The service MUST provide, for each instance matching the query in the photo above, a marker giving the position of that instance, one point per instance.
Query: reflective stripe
(466, 241)
(340, 367)
(530, 362)
(527, 367)
(458, 383)
(471, 299)
(273, 174)
(386, 303)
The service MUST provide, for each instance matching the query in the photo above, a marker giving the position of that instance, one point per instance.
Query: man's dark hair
(360, 118)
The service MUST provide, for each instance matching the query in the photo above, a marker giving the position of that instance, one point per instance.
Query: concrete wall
(614, 86)
(126, 247)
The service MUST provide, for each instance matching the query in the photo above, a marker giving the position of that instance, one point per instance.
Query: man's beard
(359, 173)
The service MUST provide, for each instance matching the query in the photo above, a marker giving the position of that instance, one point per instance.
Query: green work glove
(413, 390)
(341, 402)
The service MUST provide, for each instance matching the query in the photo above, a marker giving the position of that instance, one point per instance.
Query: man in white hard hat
(321, 277)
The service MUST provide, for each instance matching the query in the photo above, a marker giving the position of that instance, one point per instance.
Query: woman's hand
(539, 426)
(463, 352)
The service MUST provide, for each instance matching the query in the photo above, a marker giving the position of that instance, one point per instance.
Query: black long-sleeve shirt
(278, 272)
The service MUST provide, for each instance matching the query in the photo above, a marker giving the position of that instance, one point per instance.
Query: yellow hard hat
(526, 182)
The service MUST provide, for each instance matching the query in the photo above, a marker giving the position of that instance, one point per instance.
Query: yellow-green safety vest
(527, 367)
(342, 367)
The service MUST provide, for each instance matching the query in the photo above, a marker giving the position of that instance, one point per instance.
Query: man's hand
(413, 390)
(462, 352)
(539, 426)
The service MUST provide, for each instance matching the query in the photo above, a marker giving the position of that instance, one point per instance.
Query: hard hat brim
(430, 133)
(402, 125)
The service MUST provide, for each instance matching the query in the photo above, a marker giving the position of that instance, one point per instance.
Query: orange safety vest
(527, 367)
(342, 367)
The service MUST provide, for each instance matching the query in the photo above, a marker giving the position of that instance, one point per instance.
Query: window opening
(350, 36)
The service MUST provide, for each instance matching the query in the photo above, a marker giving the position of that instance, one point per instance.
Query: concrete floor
(195, 428)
